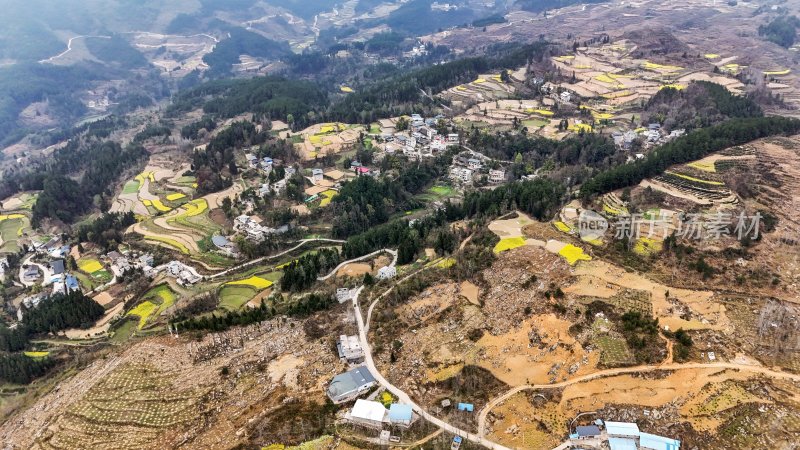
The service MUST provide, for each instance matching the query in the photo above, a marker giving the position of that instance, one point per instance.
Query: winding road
(628, 370)
(401, 395)
(277, 255)
(480, 437)
(361, 258)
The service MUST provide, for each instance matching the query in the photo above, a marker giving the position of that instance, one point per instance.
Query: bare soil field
(173, 393)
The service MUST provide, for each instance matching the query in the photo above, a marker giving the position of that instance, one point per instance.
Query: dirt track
(756, 370)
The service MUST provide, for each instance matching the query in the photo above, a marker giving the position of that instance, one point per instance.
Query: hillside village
(574, 243)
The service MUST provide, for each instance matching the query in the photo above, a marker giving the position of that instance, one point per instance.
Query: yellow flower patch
(562, 227)
(573, 254)
(89, 265)
(508, 244)
(254, 281)
(143, 311)
(175, 196)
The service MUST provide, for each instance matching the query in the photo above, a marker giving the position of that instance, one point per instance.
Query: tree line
(100, 163)
(301, 273)
(107, 230)
(688, 148)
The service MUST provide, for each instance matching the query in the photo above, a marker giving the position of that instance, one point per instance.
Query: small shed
(400, 414)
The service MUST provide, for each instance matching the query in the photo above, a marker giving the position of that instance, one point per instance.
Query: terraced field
(127, 409)
(235, 294)
(155, 302)
(12, 229)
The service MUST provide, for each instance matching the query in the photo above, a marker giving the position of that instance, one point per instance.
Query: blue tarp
(469, 407)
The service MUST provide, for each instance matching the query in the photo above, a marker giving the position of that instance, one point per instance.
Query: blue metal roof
(219, 241)
(621, 444)
(622, 429)
(398, 412)
(72, 283)
(588, 430)
(655, 442)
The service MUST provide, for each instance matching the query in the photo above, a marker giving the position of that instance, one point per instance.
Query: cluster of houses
(252, 229)
(467, 166)
(619, 436)
(358, 381)
(652, 135)
(122, 263)
(265, 165)
(422, 140)
(183, 274)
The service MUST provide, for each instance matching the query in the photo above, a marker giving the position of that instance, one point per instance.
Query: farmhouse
(65, 284)
(316, 176)
(183, 274)
(278, 186)
(349, 385)
(367, 413)
(497, 176)
(350, 350)
(120, 265)
(387, 273)
(587, 431)
(57, 266)
(31, 274)
(224, 245)
(474, 164)
(343, 295)
(60, 252)
(461, 174)
(253, 230)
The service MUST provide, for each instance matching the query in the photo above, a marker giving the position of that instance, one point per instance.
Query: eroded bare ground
(707, 408)
(539, 321)
(258, 385)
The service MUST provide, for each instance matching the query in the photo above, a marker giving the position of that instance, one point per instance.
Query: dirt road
(760, 370)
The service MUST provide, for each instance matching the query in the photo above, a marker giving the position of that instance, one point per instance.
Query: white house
(497, 176)
(474, 164)
(349, 348)
(452, 138)
(565, 96)
(316, 175)
(387, 273)
(461, 174)
(368, 413)
(343, 295)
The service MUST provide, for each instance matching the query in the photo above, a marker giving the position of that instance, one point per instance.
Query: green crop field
(614, 351)
(233, 297)
(131, 187)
